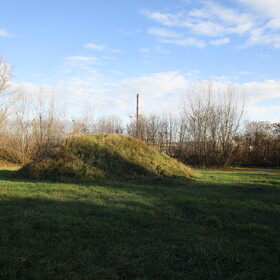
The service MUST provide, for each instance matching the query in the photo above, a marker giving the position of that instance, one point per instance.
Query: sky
(102, 53)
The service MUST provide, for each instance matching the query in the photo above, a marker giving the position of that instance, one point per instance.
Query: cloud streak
(80, 59)
(218, 22)
(163, 32)
(101, 48)
(187, 42)
(5, 33)
(220, 42)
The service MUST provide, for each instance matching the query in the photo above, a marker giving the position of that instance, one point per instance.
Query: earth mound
(85, 157)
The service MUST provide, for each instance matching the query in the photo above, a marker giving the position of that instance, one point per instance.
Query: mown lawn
(225, 225)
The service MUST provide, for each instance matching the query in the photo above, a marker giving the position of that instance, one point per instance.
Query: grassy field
(225, 225)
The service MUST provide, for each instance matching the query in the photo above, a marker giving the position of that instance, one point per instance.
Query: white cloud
(80, 83)
(259, 98)
(157, 84)
(101, 47)
(258, 91)
(133, 32)
(166, 19)
(158, 49)
(96, 47)
(258, 36)
(220, 42)
(116, 72)
(26, 86)
(215, 20)
(187, 42)
(269, 8)
(80, 59)
(199, 13)
(159, 91)
(206, 28)
(266, 33)
(211, 20)
(145, 50)
(273, 24)
(242, 73)
(169, 37)
(78, 66)
(234, 22)
(4, 33)
(193, 74)
(266, 113)
(162, 32)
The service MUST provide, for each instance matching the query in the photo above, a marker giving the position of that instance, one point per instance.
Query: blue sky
(102, 53)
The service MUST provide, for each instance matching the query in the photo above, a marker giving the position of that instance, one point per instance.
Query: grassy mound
(85, 157)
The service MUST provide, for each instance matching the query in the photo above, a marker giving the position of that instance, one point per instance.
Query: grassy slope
(225, 225)
(85, 157)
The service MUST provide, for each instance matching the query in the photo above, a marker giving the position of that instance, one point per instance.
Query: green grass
(225, 225)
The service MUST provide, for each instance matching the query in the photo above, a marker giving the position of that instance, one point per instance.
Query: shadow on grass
(49, 239)
(169, 188)
(161, 228)
(9, 175)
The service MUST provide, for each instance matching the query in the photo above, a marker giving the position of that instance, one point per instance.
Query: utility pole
(137, 115)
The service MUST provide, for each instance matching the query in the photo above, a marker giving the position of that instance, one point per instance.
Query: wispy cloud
(233, 21)
(262, 96)
(96, 47)
(163, 32)
(217, 21)
(260, 36)
(187, 42)
(266, 8)
(116, 72)
(261, 90)
(273, 24)
(166, 19)
(211, 20)
(220, 42)
(5, 33)
(242, 73)
(80, 59)
(126, 32)
(101, 47)
(145, 50)
(166, 36)
(157, 49)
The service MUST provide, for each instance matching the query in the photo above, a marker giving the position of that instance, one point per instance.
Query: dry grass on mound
(85, 157)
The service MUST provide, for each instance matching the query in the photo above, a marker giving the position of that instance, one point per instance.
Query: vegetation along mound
(85, 157)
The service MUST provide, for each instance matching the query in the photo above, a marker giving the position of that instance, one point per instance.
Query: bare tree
(261, 144)
(86, 124)
(109, 124)
(5, 95)
(6, 102)
(19, 144)
(5, 75)
(212, 118)
(46, 125)
(33, 127)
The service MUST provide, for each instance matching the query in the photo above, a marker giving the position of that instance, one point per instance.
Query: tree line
(209, 128)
